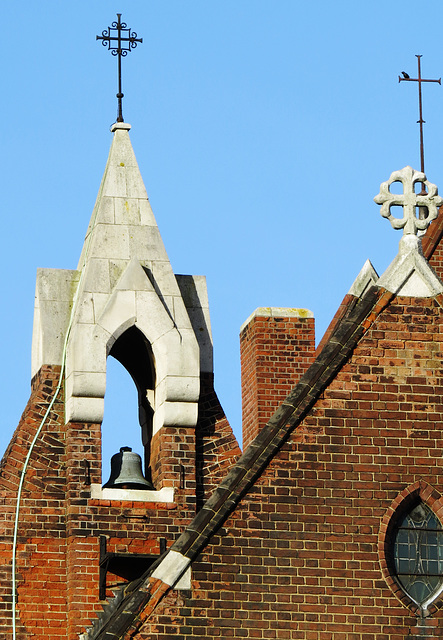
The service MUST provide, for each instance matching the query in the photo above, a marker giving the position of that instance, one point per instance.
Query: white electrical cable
(19, 493)
(48, 410)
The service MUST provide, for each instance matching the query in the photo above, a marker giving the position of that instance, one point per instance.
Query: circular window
(418, 554)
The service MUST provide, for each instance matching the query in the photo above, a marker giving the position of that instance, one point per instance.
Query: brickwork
(436, 261)
(306, 553)
(432, 249)
(130, 527)
(60, 524)
(173, 459)
(274, 352)
(40, 557)
(216, 446)
(303, 555)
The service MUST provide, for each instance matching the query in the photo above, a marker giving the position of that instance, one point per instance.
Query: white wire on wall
(45, 417)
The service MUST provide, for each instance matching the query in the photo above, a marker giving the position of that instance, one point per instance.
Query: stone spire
(124, 279)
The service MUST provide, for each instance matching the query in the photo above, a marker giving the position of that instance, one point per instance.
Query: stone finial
(409, 274)
(409, 200)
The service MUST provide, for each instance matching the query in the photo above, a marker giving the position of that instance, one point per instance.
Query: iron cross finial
(120, 40)
(407, 78)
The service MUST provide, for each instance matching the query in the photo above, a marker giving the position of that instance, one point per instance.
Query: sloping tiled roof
(346, 306)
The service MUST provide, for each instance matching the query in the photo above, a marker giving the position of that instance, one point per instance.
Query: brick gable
(60, 524)
(292, 538)
(300, 557)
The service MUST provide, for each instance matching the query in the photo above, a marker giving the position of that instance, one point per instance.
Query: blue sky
(262, 129)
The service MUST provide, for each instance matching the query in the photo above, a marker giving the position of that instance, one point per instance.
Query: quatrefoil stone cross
(409, 200)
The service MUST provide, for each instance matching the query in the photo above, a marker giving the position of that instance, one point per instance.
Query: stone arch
(172, 341)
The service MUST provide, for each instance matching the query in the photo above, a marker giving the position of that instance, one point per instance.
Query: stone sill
(132, 495)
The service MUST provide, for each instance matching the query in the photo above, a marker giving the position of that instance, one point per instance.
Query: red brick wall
(216, 446)
(301, 557)
(431, 242)
(274, 352)
(60, 525)
(436, 261)
(41, 544)
(130, 527)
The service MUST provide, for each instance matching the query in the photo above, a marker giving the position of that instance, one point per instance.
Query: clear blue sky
(262, 129)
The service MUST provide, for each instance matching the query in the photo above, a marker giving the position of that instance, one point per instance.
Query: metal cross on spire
(120, 40)
(407, 78)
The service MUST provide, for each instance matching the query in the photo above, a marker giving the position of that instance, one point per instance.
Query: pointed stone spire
(124, 279)
(122, 224)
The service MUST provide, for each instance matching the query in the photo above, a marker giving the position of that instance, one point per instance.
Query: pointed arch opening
(136, 393)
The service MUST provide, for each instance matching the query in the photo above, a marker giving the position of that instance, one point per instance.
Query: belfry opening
(134, 354)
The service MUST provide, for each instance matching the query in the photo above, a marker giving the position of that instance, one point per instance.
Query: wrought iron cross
(406, 78)
(120, 40)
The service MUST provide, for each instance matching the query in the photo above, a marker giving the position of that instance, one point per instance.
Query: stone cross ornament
(426, 203)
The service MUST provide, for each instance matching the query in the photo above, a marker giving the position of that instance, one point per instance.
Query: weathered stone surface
(367, 277)
(195, 297)
(409, 200)
(410, 274)
(54, 292)
(277, 312)
(124, 279)
(172, 568)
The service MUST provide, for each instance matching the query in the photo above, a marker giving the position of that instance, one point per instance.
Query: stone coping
(277, 312)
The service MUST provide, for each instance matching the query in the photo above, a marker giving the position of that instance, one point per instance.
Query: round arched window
(418, 554)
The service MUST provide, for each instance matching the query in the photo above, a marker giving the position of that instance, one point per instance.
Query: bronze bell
(126, 471)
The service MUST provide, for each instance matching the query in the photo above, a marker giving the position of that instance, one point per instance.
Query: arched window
(417, 554)
(133, 352)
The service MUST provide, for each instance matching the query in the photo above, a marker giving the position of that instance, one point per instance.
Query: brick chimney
(276, 347)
